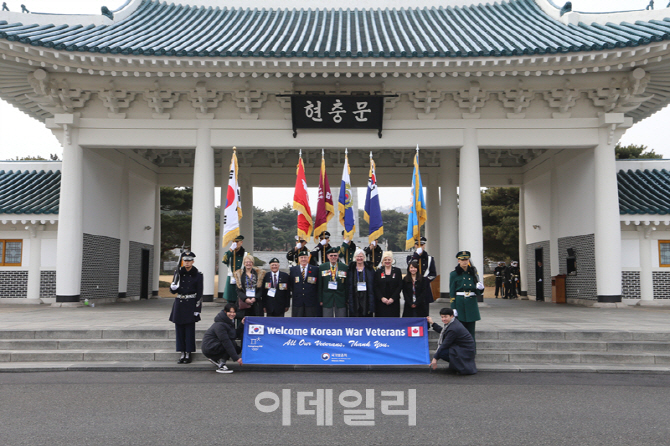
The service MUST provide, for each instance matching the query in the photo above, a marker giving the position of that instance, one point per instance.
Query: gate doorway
(539, 274)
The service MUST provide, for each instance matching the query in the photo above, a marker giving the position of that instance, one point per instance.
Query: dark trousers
(224, 355)
(500, 287)
(510, 290)
(185, 337)
(304, 311)
(470, 326)
(276, 313)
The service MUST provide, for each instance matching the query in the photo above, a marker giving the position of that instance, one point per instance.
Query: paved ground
(498, 314)
(206, 408)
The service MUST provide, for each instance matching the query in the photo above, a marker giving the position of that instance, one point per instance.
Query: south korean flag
(414, 332)
(256, 329)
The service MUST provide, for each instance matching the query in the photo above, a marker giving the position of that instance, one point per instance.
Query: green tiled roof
(644, 191)
(508, 28)
(29, 192)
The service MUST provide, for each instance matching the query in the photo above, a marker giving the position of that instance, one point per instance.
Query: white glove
(174, 286)
(233, 247)
(374, 243)
(480, 286)
(298, 245)
(196, 314)
(455, 313)
(346, 240)
(323, 242)
(419, 251)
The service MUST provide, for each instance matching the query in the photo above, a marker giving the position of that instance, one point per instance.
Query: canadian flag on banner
(414, 331)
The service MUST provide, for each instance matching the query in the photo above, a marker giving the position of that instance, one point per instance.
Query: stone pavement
(513, 335)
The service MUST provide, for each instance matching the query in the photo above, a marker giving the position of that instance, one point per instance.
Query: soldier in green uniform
(233, 258)
(464, 287)
(333, 285)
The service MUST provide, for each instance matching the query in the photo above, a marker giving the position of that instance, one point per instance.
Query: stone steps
(138, 349)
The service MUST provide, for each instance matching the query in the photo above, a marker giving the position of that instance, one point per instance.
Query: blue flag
(345, 203)
(373, 212)
(417, 214)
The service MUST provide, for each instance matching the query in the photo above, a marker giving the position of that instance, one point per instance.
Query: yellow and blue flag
(372, 212)
(345, 203)
(418, 214)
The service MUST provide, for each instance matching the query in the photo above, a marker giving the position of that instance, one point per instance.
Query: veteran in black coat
(187, 307)
(427, 267)
(455, 344)
(388, 285)
(361, 287)
(276, 291)
(304, 288)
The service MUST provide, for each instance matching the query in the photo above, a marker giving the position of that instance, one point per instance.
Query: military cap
(239, 238)
(188, 255)
(303, 252)
(300, 238)
(463, 255)
(274, 260)
(333, 250)
(324, 234)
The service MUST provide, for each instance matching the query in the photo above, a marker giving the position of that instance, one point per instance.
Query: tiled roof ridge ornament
(566, 8)
(24, 9)
(107, 13)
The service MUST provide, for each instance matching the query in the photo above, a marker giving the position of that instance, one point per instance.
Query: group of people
(507, 280)
(328, 281)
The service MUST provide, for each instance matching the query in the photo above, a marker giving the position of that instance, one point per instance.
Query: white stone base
(48, 300)
(596, 304)
(67, 304)
(654, 303)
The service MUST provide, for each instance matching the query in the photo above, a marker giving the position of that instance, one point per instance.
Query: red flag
(324, 206)
(414, 331)
(301, 203)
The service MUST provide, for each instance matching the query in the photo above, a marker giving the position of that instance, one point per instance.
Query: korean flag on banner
(256, 329)
(414, 331)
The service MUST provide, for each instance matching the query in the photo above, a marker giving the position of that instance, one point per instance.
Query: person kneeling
(455, 345)
(218, 342)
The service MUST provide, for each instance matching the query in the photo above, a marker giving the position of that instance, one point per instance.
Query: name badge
(362, 286)
(282, 286)
(271, 292)
(332, 285)
(232, 280)
(251, 293)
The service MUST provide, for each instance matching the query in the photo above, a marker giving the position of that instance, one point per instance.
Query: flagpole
(417, 163)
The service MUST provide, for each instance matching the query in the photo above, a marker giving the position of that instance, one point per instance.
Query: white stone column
(203, 236)
(448, 218)
(35, 265)
(646, 273)
(226, 156)
(470, 234)
(433, 234)
(124, 239)
(554, 218)
(247, 223)
(523, 257)
(157, 242)
(70, 242)
(607, 226)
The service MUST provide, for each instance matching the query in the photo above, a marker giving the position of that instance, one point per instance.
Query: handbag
(242, 305)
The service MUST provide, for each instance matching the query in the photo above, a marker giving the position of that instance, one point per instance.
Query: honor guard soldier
(427, 267)
(304, 279)
(333, 286)
(276, 293)
(319, 255)
(373, 253)
(233, 258)
(511, 280)
(292, 255)
(500, 278)
(464, 287)
(347, 250)
(186, 307)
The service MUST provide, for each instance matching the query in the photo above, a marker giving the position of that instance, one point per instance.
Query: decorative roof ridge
(45, 18)
(602, 18)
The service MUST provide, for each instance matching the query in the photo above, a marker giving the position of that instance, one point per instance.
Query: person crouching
(455, 345)
(218, 342)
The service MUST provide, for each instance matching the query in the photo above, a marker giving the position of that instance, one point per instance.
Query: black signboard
(337, 112)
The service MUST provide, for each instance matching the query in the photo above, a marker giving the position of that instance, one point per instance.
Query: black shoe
(181, 360)
(188, 359)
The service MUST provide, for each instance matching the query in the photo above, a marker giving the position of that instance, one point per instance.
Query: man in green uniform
(333, 286)
(233, 258)
(464, 287)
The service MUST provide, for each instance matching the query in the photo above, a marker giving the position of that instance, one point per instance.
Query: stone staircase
(153, 349)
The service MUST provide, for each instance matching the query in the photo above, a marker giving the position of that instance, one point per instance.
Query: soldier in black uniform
(511, 278)
(373, 253)
(304, 279)
(292, 255)
(427, 267)
(319, 255)
(186, 307)
(276, 292)
(500, 277)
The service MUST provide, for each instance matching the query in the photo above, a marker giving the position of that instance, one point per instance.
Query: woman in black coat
(218, 342)
(388, 285)
(249, 288)
(360, 286)
(414, 292)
